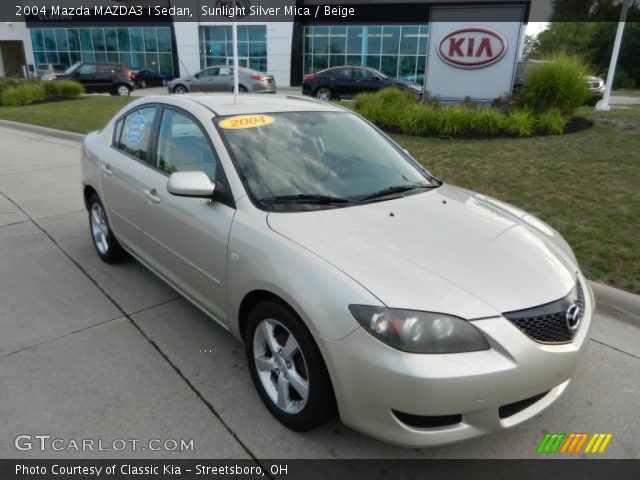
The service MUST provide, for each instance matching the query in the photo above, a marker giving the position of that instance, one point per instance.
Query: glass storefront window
(124, 41)
(139, 47)
(397, 50)
(216, 46)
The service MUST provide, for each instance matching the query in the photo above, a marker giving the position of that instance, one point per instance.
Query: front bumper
(372, 380)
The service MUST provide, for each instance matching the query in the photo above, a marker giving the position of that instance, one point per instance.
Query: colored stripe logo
(574, 443)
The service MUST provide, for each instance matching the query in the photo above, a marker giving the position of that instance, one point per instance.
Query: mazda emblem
(574, 315)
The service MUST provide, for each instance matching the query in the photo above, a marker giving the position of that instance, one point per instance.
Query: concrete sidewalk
(89, 350)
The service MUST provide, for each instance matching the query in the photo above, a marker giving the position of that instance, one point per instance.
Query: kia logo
(472, 47)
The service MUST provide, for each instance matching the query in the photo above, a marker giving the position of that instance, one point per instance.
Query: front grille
(548, 323)
(427, 421)
(506, 411)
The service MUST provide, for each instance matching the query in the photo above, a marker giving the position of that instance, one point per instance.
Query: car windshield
(310, 160)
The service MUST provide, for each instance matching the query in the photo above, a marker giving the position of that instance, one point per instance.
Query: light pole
(604, 103)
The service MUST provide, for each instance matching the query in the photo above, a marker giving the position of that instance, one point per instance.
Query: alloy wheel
(99, 229)
(281, 366)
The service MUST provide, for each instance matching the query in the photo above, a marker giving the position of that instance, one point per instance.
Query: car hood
(446, 250)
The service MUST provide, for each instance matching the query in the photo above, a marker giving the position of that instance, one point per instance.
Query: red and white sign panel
(472, 47)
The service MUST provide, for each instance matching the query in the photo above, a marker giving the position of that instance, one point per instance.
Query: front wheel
(143, 84)
(324, 94)
(287, 367)
(105, 243)
(180, 90)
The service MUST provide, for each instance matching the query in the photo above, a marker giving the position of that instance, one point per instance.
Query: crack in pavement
(191, 386)
(45, 169)
(51, 340)
(614, 348)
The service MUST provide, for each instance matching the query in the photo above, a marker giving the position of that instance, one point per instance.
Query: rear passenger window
(183, 146)
(133, 132)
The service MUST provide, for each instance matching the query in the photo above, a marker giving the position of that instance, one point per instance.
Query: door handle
(151, 195)
(107, 169)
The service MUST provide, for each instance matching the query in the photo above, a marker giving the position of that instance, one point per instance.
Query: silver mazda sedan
(360, 284)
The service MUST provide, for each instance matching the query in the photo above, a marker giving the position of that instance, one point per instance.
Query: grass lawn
(586, 184)
(81, 115)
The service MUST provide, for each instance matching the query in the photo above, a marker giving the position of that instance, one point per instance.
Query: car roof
(224, 104)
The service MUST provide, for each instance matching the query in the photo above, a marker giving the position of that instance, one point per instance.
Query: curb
(51, 132)
(622, 305)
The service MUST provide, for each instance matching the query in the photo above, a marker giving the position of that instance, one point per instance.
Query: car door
(87, 75)
(188, 236)
(369, 81)
(122, 165)
(339, 81)
(223, 80)
(203, 81)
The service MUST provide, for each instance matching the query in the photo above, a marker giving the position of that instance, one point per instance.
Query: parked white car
(360, 284)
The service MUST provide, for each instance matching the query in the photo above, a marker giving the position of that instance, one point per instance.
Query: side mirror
(196, 75)
(190, 184)
(376, 78)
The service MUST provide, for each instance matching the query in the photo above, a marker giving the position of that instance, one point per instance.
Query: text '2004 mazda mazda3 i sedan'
(359, 283)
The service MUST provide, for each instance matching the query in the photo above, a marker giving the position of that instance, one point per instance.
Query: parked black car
(99, 77)
(148, 78)
(347, 81)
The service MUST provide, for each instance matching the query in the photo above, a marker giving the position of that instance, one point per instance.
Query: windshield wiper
(306, 198)
(395, 190)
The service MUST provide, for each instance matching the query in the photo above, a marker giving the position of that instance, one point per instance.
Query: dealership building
(457, 49)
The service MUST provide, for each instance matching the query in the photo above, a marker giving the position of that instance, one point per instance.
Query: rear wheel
(324, 94)
(123, 90)
(105, 243)
(180, 89)
(287, 367)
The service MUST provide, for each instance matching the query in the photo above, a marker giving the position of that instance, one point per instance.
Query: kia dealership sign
(472, 47)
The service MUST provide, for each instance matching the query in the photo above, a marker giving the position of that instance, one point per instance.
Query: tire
(143, 84)
(293, 381)
(324, 94)
(180, 89)
(123, 90)
(104, 241)
(242, 89)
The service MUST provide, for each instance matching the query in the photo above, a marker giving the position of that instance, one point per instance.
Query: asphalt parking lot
(89, 350)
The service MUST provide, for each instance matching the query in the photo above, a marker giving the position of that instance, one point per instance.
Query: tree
(593, 38)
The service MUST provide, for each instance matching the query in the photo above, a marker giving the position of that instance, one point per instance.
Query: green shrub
(6, 83)
(455, 120)
(51, 88)
(386, 107)
(488, 121)
(559, 82)
(520, 122)
(69, 88)
(552, 121)
(23, 94)
(419, 120)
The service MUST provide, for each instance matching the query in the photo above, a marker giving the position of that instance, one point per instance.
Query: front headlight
(419, 332)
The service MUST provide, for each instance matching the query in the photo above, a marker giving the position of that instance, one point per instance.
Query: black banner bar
(570, 469)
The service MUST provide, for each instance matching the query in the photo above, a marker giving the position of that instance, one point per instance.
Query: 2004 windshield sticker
(135, 130)
(246, 121)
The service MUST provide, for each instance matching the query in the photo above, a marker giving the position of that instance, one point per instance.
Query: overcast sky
(534, 28)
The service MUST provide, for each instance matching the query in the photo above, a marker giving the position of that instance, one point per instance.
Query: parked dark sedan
(348, 81)
(148, 78)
